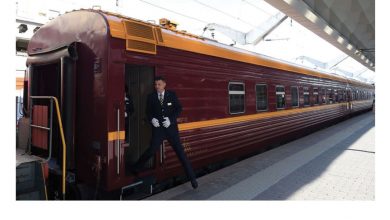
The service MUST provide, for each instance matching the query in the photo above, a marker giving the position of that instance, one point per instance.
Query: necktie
(161, 99)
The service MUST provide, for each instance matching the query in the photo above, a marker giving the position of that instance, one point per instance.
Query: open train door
(52, 74)
(50, 113)
(139, 80)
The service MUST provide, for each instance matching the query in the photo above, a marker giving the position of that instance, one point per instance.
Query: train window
(330, 97)
(344, 96)
(341, 95)
(323, 96)
(280, 97)
(336, 96)
(294, 96)
(316, 96)
(306, 96)
(261, 97)
(236, 97)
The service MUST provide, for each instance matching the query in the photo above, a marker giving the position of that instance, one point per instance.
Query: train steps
(30, 183)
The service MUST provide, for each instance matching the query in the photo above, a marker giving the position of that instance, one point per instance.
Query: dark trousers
(172, 135)
(127, 130)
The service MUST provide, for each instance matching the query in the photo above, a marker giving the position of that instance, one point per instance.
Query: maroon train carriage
(235, 103)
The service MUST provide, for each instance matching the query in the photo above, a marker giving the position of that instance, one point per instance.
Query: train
(235, 102)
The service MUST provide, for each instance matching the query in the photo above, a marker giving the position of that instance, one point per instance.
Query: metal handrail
(118, 144)
(61, 133)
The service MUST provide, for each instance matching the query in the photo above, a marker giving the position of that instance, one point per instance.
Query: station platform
(335, 163)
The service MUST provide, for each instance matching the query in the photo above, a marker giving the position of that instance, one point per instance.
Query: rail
(118, 150)
(50, 128)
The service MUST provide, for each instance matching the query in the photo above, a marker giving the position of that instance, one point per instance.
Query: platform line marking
(363, 151)
(254, 185)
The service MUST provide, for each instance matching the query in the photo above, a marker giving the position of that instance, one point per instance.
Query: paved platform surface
(336, 163)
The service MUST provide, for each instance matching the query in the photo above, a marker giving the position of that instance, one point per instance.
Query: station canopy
(253, 25)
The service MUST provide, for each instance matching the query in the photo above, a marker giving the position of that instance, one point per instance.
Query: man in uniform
(162, 109)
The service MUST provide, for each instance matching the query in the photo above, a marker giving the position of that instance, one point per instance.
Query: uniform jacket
(171, 107)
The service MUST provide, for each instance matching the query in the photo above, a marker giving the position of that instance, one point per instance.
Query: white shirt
(158, 94)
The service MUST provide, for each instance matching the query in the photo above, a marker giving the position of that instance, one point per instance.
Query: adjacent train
(235, 103)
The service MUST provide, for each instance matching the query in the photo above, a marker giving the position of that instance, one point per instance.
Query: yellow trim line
(188, 42)
(112, 136)
(257, 116)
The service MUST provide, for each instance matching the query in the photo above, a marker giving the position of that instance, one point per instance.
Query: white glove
(166, 123)
(155, 123)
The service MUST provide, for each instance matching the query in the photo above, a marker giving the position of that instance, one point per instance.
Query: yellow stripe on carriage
(257, 116)
(112, 136)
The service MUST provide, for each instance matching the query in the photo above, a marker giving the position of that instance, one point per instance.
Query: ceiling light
(311, 16)
(340, 40)
(328, 30)
(288, 1)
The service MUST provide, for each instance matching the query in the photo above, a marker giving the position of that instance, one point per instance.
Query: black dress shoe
(194, 184)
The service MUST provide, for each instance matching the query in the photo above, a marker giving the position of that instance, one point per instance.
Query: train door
(55, 79)
(139, 81)
(45, 80)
